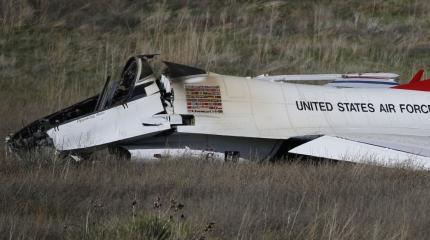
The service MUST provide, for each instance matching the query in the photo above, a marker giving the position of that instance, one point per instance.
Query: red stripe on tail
(416, 83)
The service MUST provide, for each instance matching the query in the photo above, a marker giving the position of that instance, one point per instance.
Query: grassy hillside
(44, 199)
(54, 53)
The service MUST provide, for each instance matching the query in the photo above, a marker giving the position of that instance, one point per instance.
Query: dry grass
(53, 53)
(47, 199)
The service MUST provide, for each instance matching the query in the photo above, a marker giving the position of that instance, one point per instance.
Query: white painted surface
(411, 144)
(152, 89)
(351, 151)
(266, 109)
(269, 110)
(118, 123)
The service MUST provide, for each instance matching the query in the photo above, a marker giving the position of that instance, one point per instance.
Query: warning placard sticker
(203, 99)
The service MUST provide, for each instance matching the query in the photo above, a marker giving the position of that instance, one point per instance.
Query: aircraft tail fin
(417, 77)
(416, 83)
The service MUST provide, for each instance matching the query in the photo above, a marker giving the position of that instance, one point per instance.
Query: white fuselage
(254, 108)
(263, 109)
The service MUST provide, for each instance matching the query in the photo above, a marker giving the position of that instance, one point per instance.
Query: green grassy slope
(54, 53)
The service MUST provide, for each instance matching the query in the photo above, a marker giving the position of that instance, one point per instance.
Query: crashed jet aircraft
(354, 117)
